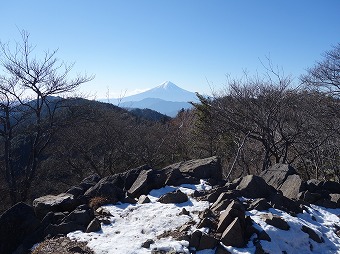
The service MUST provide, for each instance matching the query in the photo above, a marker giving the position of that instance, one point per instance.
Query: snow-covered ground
(133, 224)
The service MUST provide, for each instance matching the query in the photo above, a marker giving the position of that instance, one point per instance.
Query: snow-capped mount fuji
(167, 91)
(167, 98)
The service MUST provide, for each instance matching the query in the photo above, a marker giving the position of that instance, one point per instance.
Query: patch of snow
(296, 241)
(133, 224)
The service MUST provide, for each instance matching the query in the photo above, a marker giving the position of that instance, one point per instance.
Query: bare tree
(325, 75)
(27, 84)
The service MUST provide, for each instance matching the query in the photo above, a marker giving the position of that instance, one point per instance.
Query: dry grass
(62, 245)
(97, 202)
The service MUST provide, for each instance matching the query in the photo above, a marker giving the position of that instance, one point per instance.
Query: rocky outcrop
(79, 209)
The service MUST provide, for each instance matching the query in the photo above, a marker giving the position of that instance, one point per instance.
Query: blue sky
(132, 45)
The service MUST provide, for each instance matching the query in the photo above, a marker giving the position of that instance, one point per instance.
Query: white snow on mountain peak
(167, 91)
(167, 85)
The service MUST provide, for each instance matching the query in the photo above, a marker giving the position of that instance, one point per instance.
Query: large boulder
(82, 215)
(173, 197)
(283, 203)
(208, 168)
(234, 210)
(275, 221)
(131, 175)
(107, 189)
(234, 234)
(93, 226)
(17, 224)
(277, 174)
(259, 204)
(252, 186)
(146, 181)
(207, 242)
(54, 203)
(292, 186)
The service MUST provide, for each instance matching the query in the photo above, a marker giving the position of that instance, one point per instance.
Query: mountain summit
(166, 98)
(167, 91)
(167, 85)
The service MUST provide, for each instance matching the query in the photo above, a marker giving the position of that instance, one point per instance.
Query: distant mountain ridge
(167, 99)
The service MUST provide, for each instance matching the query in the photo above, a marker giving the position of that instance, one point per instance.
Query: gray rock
(285, 204)
(220, 203)
(309, 197)
(201, 168)
(128, 199)
(234, 234)
(195, 239)
(105, 188)
(275, 221)
(207, 223)
(103, 211)
(173, 197)
(184, 228)
(131, 175)
(259, 204)
(93, 179)
(80, 216)
(207, 242)
(147, 243)
(215, 193)
(184, 212)
(234, 210)
(259, 249)
(173, 176)
(252, 186)
(327, 203)
(292, 186)
(277, 174)
(143, 199)
(93, 226)
(51, 203)
(147, 181)
(335, 198)
(89, 182)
